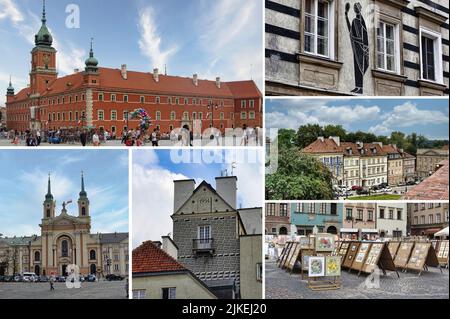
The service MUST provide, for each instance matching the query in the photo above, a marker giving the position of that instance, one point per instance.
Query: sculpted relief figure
(360, 45)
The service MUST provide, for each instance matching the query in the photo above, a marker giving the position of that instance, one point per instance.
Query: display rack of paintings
(442, 252)
(422, 256)
(295, 256)
(304, 242)
(337, 246)
(403, 253)
(324, 272)
(378, 256)
(284, 255)
(305, 255)
(361, 256)
(393, 248)
(351, 254)
(343, 249)
(289, 256)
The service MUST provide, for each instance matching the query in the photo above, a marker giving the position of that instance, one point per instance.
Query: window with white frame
(204, 232)
(169, 293)
(139, 294)
(430, 56)
(158, 115)
(387, 47)
(318, 27)
(101, 115)
(113, 115)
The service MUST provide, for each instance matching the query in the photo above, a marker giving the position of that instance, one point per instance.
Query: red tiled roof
(407, 155)
(328, 145)
(244, 89)
(390, 149)
(143, 81)
(434, 187)
(148, 258)
(323, 146)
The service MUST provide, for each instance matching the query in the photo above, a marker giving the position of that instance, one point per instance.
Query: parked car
(91, 278)
(18, 278)
(2, 278)
(29, 277)
(82, 279)
(43, 279)
(113, 277)
(61, 279)
(383, 185)
(8, 278)
(362, 192)
(356, 188)
(386, 190)
(409, 183)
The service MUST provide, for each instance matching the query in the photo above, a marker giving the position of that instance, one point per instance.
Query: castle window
(113, 97)
(101, 115)
(172, 115)
(37, 256)
(142, 99)
(83, 211)
(100, 96)
(251, 103)
(158, 115)
(125, 98)
(186, 101)
(251, 115)
(113, 115)
(157, 99)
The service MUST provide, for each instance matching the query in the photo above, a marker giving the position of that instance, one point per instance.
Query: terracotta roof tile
(434, 187)
(323, 146)
(143, 81)
(328, 145)
(148, 258)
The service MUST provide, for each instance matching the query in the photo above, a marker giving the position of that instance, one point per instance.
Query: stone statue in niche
(360, 45)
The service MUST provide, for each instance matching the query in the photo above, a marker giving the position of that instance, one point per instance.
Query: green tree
(398, 138)
(335, 130)
(299, 177)
(307, 134)
(286, 138)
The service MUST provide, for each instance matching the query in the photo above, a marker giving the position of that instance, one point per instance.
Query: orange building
(103, 97)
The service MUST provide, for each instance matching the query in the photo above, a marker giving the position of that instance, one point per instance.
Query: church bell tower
(83, 200)
(49, 203)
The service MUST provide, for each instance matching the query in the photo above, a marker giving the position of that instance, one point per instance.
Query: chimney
(320, 138)
(349, 151)
(195, 79)
(157, 243)
(336, 139)
(359, 144)
(156, 75)
(218, 82)
(226, 187)
(123, 71)
(183, 189)
(169, 247)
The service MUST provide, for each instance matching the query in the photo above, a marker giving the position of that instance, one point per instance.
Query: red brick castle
(103, 97)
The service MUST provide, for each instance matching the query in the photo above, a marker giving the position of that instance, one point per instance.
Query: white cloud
(408, 115)
(8, 10)
(153, 195)
(150, 42)
(297, 114)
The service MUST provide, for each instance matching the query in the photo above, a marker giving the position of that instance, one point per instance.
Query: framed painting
(333, 266)
(324, 242)
(316, 266)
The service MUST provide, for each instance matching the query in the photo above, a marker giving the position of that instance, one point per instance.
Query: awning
(369, 231)
(430, 231)
(443, 232)
(349, 230)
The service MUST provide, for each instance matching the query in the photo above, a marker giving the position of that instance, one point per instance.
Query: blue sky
(23, 185)
(212, 38)
(428, 117)
(155, 171)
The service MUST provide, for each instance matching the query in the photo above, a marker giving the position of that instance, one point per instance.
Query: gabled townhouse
(394, 165)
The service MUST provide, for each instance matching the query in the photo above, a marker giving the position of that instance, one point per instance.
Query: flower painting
(333, 266)
(324, 242)
(316, 267)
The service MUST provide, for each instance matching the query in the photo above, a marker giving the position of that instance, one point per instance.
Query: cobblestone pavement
(88, 290)
(430, 285)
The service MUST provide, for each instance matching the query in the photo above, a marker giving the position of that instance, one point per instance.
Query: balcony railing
(205, 245)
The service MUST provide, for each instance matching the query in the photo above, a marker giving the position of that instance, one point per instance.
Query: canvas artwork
(304, 242)
(316, 267)
(333, 266)
(324, 242)
(362, 253)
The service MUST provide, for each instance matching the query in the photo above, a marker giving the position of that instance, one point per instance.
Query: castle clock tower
(43, 59)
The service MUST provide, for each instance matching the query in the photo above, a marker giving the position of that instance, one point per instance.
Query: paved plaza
(228, 141)
(430, 285)
(88, 290)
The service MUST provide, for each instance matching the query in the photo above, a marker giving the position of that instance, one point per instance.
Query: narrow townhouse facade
(359, 221)
(209, 231)
(428, 158)
(278, 219)
(326, 217)
(426, 219)
(409, 167)
(394, 164)
(392, 220)
(365, 47)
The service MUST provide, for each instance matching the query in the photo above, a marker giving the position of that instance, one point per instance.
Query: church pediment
(204, 200)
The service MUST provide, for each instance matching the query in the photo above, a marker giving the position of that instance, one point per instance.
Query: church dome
(43, 37)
